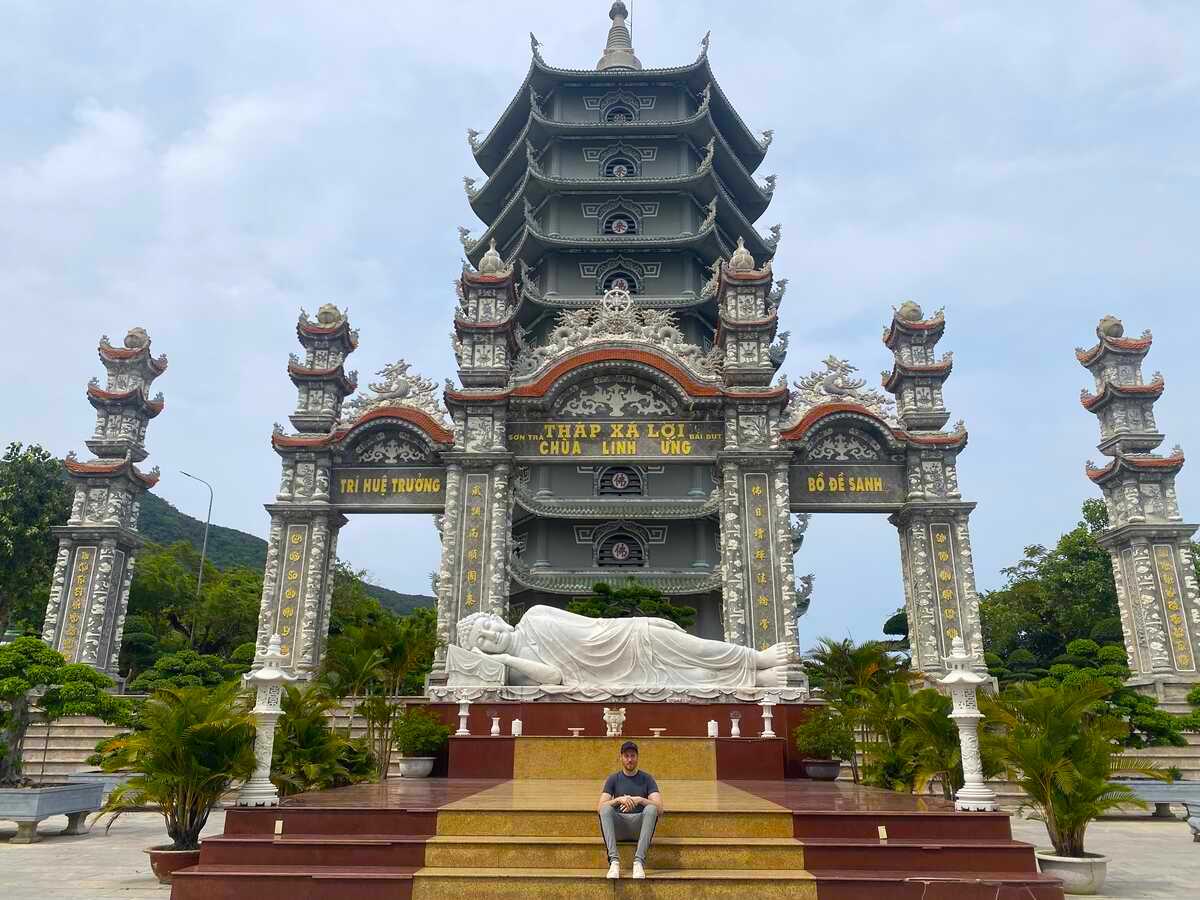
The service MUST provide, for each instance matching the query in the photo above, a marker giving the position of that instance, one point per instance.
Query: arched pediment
(388, 440)
(843, 433)
(654, 374)
(617, 396)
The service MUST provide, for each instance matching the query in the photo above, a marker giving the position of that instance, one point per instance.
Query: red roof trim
(1129, 345)
(1174, 461)
(900, 370)
(124, 354)
(432, 428)
(686, 381)
(898, 324)
(114, 468)
(1153, 389)
(478, 278)
(154, 407)
(814, 415)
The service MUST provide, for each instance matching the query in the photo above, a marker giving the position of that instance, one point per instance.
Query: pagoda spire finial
(618, 52)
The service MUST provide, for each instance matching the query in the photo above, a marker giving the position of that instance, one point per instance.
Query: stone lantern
(962, 682)
(268, 682)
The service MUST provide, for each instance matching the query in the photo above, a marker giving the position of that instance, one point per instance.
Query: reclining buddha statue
(553, 647)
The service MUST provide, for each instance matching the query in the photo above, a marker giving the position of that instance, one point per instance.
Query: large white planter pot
(1080, 875)
(416, 766)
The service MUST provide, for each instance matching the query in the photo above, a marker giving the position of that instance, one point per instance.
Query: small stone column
(961, 683)
(268, 682)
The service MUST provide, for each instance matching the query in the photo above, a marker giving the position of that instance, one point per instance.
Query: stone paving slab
(1151, 858)
(1148, 857)
(91, 865)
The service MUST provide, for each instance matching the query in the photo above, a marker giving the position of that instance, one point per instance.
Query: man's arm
(655, 799)
(606, 799)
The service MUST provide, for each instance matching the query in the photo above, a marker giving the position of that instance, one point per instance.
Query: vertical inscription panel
(473, 544)
(79, 594)
(946, 580)
(1173, 615)
(108, 635)
(292, 579)
(1133, 599)
(762, 589)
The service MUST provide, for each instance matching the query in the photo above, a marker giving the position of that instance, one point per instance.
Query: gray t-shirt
(640, 784)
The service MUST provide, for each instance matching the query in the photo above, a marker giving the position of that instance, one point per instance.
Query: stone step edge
(599, 874)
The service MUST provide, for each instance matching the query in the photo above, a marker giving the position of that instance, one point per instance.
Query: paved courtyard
(1152, 858)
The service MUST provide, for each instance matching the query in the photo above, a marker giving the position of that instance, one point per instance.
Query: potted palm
(419, 737)
(189, 746)
(1061, 744)
(823, 741)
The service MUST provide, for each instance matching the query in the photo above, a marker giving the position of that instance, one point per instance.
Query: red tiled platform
(365, 842)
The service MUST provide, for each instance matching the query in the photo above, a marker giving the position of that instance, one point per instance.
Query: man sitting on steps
(630, 805)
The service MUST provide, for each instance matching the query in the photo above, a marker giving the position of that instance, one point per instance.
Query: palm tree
(929, 738)
(848, 674)
(191, 745)
(1061, 745)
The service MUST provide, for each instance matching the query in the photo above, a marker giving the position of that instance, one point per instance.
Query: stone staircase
(538, 837)
(64, 746)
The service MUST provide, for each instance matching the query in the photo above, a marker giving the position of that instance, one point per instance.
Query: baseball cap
(629, 745)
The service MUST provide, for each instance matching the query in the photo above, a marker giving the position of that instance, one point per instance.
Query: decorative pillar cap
(958, 666)
(741, 260)
(270, 673)
(618, 53)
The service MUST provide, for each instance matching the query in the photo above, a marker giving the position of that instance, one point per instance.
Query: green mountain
(164, 524)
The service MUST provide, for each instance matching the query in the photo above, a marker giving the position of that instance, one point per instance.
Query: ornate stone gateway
(619, 410)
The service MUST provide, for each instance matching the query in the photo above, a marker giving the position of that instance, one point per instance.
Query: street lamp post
(207, 520)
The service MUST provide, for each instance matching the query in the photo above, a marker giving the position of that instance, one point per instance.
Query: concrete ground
(1148, 857)
(1151, 858)
(90, 866)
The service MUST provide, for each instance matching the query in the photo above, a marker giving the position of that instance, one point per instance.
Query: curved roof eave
(492, 150)
(707, 243)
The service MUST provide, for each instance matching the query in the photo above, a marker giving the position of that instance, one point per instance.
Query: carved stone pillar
(297, 584)
(962, 684)
(758, 590)
(939, 583)
(268, 682)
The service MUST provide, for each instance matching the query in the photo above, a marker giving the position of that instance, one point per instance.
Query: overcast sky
(206, 169)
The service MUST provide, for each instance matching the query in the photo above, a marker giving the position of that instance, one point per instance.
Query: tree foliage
(187, 668)
(34, 497)
(1062, 745)
(190, 746)
(309, 755)
(629, 600)
(28, 666)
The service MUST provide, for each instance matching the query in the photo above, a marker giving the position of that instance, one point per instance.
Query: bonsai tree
(417, 732)
(186, 668)
(630, 600)
(189, 746)
(67, 689)
(309, 755)
(1062, 745)
(824, 735)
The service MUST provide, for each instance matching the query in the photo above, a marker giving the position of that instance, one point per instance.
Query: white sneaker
(638, 871)
(614, 869)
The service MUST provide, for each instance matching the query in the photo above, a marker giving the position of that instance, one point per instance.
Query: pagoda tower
(1146, 536)
(619, 209)
(89, 592)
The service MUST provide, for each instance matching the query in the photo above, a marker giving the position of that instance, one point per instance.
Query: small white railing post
(268, 683)
(962, 683)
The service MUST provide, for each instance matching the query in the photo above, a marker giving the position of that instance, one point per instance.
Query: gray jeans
(622, 826)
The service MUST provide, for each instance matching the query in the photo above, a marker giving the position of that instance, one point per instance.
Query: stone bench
(1163, 794)
(28, 806)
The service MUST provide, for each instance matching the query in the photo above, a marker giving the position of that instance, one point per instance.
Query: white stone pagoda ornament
(614, 721)
(768, 714)
(464, 710)
(268, 683)
(962, 683)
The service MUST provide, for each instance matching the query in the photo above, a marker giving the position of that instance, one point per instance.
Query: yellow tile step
(694, 808)
(581, 823)
(452, 851)
(586, 884)
(594, 758)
